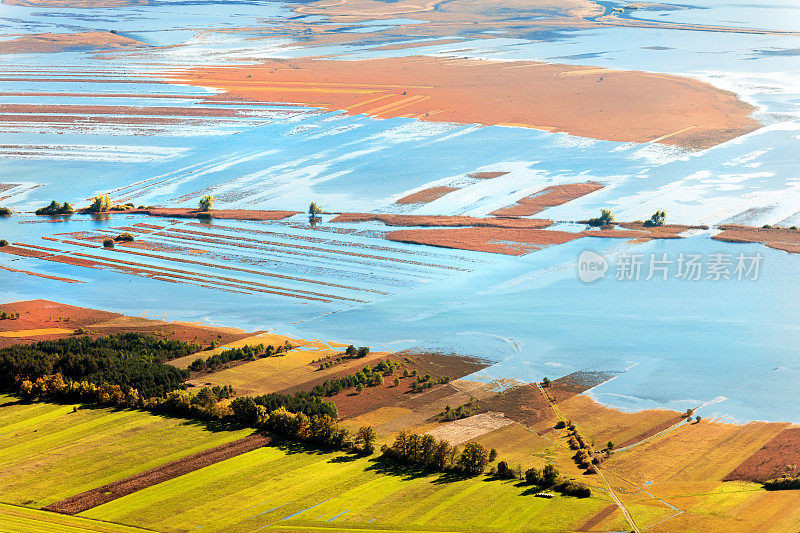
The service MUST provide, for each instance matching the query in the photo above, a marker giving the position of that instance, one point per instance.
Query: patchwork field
(287, 487)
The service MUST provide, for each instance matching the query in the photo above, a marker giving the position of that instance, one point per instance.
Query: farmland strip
(106, 493)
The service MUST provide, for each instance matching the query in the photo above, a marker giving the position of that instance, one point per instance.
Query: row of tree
(437, 454)
(245, 353)
(369, 376)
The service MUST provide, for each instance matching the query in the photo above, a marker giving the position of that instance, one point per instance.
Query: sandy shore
(623, 106)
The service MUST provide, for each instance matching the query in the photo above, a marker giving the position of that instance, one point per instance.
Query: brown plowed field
(426, 195)
(44, 314)
(779, 456)
(508, 241)
(443, 220)
(549, 197)
(787, 240)
(92, 498)
(232, 214)
(625, 106)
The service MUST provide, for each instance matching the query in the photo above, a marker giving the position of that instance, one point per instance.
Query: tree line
(437, 455)
(369, 376)
(245, 353)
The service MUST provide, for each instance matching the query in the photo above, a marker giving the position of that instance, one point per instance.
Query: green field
(292, 487)
(49, 452)
(23, 520)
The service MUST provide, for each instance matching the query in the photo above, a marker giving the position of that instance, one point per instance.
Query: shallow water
(727, 344)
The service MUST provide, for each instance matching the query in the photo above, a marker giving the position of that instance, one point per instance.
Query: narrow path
(617, 501)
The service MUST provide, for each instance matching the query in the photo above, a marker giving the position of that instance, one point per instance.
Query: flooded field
(166, 102)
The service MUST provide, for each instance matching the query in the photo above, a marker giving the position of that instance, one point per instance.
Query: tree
(606, 217)
(473, 459)
(245, 410)
(350, 351)
(533, 476)
(108, 243)
(100, 204)
(396, 382)
(504, 471)
(365, 438)
(697, 419)
(359, 388)
(549, 475)
(363, 351)
(492, 455)
(206, 203)
(659, 218)
(546, 382)
(610, 446)
(314, 209)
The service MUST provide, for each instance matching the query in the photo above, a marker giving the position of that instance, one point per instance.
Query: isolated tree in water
(314, 209)
(606, 217)
(659, 218)
(100, 204)
(206, 203)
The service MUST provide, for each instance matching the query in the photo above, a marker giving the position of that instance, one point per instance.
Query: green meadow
(23, 520)
(291, 488)
(49, 451)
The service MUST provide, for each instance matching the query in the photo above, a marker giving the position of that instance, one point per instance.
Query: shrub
(108, 243)
(124, 237)
(572, 488)
(783, 483)
(314, 209)
(3, 242)
(504, 471)
(492, 453)
(561, 424)
(4, 212)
